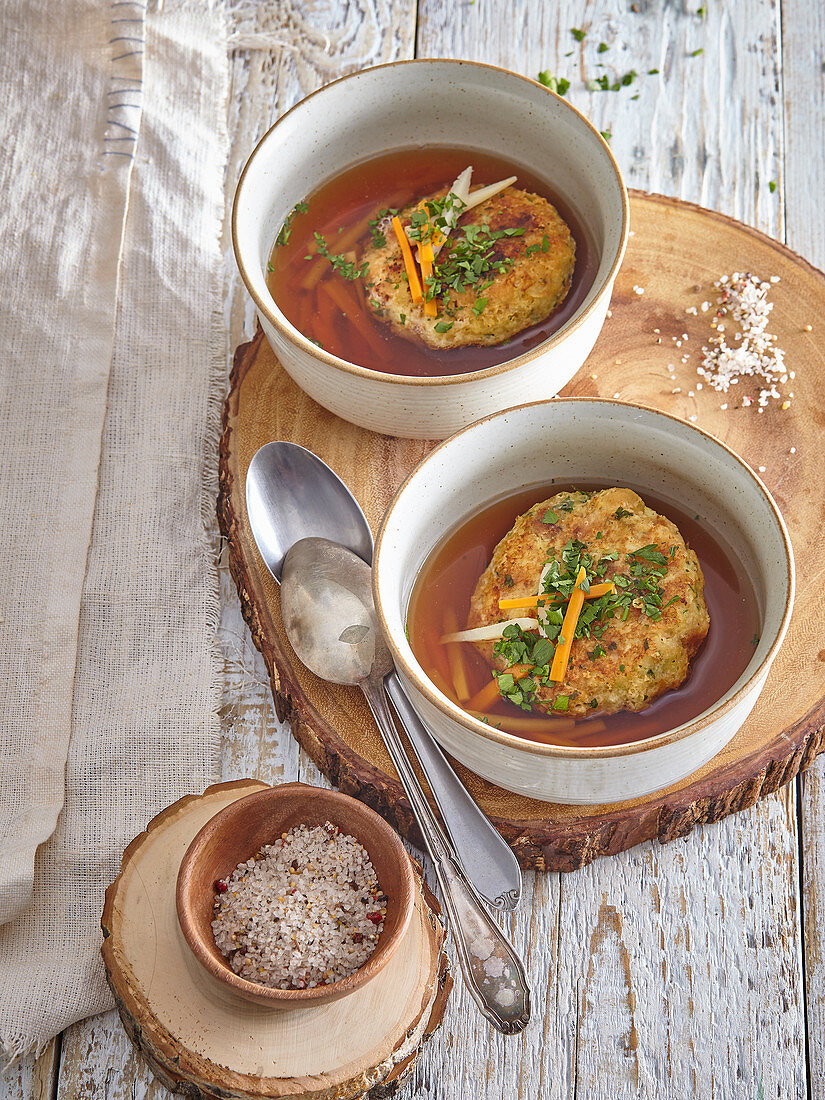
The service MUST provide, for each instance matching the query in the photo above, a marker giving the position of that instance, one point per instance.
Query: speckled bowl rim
(292, 334)
(667, 737)
(385, 948)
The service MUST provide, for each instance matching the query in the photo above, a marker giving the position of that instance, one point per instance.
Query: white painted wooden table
(693, 969)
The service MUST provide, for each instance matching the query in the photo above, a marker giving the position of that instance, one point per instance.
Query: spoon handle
(492, 970)
(484, 854)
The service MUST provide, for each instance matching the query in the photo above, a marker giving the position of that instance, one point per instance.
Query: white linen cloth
(112, 134)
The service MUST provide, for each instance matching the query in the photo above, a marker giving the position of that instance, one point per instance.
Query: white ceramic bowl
(407, 103)
(575, 441)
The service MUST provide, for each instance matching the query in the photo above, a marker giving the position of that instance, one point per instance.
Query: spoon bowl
(292, 495)
(326, 604)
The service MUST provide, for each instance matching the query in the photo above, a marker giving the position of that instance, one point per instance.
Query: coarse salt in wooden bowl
(237, 832)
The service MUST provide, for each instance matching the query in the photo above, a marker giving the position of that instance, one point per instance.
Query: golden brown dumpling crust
(642, 658)
(536, 283)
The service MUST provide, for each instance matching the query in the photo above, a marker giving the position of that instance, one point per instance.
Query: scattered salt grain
(762, 469)
(753, 353)
(639, 289)
(302, 912)
(792, 451)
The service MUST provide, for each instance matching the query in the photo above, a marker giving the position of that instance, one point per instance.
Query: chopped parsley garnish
(435, 217)
(606, 134)
(603, 47)
(772, 186)
(378, 238)
(443, 326)
(340, 264)
(403, 318)
(652, 72)
(478, 306)
(637, 587)
(558, 84)
(649, 553)
(470, 259)
(605, 84)
(578, 34)
(286, 228)
(755, 641)
(550, 516)
(695, 53)
(269, 266)
(620, 513)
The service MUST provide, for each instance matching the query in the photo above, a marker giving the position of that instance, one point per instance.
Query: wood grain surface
(676, 252)
(202, 1039)
(689, 970)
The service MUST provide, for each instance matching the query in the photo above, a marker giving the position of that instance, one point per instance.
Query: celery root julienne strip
(456, 659)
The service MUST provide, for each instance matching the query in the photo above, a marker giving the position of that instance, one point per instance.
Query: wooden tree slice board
(675, 254)
(200, 1039)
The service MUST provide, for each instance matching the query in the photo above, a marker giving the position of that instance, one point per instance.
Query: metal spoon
(329, 617)
(290, 495)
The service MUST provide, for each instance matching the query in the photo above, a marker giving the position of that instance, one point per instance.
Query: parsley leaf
(286, 228)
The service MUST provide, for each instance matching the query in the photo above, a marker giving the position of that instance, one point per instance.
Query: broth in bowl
(505, 274)
(641, 659)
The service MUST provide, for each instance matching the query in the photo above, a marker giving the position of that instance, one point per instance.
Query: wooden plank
(32, 1078)
(280, 54)
(644, 963)
(668, 970)
(803, 185)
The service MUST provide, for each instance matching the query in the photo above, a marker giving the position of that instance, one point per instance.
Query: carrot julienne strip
(425, 259)
(561, 657)
(484, 699)
(596, 590)
(409, 262)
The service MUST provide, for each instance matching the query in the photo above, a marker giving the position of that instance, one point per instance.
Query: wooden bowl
(239, 830)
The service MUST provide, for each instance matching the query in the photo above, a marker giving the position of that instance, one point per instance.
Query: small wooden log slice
(201, 1040)
(675, 254)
